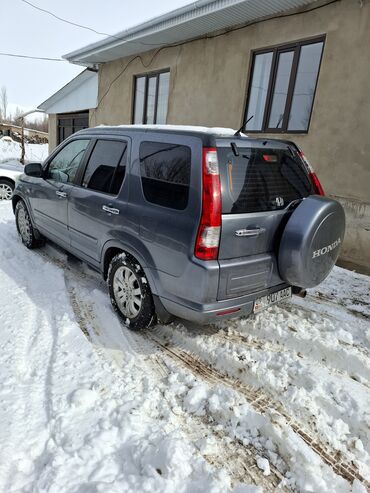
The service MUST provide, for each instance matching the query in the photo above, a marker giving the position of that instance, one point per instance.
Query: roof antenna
(237, 133)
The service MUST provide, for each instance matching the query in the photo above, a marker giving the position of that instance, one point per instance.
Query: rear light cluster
(208, 237)
(312, 175)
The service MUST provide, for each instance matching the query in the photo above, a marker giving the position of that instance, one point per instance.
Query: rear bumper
(220, 310)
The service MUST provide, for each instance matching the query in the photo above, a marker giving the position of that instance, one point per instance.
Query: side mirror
(33, 169)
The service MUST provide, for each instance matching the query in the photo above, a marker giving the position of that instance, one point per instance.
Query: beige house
(299, 68)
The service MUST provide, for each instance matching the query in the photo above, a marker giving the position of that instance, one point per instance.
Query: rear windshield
(261, 179)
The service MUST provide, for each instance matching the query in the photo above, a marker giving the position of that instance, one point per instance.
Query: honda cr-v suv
(198, 223)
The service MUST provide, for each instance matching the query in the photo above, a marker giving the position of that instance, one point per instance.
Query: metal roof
(81, 93)
(194, 20)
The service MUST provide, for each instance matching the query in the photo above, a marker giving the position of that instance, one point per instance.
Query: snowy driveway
(279, 402)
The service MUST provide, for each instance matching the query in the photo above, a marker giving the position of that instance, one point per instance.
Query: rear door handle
(249, 232)
(60, 194)
(110, 210)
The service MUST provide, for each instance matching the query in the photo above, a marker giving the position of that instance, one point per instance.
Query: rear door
(261, 183)
(96, 207)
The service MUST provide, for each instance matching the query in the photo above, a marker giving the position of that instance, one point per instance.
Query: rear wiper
(234, 148)
(238, 132)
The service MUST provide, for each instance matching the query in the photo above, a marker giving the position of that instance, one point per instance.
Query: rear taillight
(208, 237)
(316, 184)
(312, 175)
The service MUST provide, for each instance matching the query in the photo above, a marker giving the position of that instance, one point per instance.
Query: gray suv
(202, 224)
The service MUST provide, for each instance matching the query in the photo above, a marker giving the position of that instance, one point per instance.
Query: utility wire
(69, 22)
(81, 26)
(17, 55)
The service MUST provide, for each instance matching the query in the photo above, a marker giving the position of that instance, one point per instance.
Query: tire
(30, 238)
(6, 189)
(130, 293)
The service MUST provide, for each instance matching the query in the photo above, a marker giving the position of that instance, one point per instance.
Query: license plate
(271, 299)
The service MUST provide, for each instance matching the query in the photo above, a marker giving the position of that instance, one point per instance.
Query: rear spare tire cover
(311, 241)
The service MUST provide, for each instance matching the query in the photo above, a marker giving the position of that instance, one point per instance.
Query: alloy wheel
(127, 292)
(24, 224)
(6, 191)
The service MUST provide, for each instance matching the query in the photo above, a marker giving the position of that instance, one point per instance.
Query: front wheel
(130, 292)
(24, 226)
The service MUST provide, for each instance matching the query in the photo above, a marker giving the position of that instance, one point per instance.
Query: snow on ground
(10, 151)
(276, 402)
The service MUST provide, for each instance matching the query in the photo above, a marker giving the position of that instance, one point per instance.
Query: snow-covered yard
(10, 151)
(277, 402)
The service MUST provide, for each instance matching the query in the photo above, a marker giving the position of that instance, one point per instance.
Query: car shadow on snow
(96, 317)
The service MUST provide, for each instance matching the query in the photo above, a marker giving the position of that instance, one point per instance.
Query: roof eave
(182, 25)
(65, 90)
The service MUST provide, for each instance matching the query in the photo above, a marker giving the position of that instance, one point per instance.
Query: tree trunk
(22, 143)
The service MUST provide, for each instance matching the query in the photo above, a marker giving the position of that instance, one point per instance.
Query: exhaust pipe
(302, 293)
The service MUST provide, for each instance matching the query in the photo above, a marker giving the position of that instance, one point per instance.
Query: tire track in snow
(31, 390)
(357, 427)
(239, 459)
(325, 299)
(79, 279)
(259, 400)
(251, 342)
(242, 362)
(264, 404)
(336, 354)
(112, 343)
(309, 309)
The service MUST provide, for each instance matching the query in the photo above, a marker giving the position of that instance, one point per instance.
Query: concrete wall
(7, 128)
(208, 87)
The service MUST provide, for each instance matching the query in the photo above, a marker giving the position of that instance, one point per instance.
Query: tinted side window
(106, 167)
(63, 167)
(165, 173)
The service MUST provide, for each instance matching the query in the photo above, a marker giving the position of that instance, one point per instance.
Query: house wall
(208, 85)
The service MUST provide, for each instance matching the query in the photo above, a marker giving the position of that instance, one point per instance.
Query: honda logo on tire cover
(326, 249)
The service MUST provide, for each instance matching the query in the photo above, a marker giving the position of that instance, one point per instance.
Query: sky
(27, 31)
